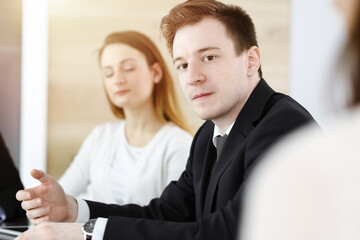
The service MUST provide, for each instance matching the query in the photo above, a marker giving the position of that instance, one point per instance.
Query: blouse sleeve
(179, 147)
(76, 177)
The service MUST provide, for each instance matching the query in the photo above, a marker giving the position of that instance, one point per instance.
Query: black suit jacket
(200, 206)
(10, 183)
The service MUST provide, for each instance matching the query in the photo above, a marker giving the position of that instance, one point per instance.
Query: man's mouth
(201, 95)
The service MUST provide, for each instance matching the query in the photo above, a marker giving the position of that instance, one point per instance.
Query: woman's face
(348, 9)
(128, 79)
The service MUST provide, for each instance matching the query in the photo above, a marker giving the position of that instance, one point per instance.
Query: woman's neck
(141, 126)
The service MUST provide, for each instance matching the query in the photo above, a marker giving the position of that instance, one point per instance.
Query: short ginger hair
(237, 22)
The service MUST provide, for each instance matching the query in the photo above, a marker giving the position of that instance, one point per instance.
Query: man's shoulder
(286, 113)
(287, 105)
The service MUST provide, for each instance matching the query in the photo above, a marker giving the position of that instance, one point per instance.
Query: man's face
(212, 76)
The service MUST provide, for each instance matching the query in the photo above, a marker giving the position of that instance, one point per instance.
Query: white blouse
(112, 171)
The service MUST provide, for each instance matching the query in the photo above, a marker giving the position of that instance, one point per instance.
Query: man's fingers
(37, 213)
(41, 176)
(31, 204)
(23, 195)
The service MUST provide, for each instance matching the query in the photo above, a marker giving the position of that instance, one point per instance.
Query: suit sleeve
(169, 217)
(285, 117)
(172, 216)
(174, 210)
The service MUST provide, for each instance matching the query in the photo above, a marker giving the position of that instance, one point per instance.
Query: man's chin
(204, 116)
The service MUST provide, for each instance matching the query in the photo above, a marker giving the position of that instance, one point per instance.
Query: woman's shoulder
(172, 130)
(172, 135)
(171, 138)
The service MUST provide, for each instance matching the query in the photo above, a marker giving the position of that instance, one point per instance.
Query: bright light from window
(34, 71)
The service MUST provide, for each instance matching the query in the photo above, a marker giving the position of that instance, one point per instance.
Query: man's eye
(209, 58)
(182, 67)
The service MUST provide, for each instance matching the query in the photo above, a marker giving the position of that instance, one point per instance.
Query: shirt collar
(217, 132)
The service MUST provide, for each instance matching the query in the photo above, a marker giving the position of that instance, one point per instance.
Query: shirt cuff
(2, 214)
(83, 211)
(99, 229)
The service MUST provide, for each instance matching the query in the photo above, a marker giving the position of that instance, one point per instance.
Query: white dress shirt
(218, 133)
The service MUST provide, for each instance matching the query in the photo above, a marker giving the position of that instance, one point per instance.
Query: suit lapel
(210, 158)
(243, 126)
(223, 162)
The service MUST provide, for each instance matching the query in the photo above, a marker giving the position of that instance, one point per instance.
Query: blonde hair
(165, 101)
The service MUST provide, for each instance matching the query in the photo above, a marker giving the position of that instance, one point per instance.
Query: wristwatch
(88, 229)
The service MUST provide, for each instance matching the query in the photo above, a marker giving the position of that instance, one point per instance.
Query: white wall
(33, 123)
(316, 34)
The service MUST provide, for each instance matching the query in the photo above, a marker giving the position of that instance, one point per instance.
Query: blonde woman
(132, 160)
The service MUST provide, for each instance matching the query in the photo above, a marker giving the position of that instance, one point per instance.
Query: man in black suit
(10, 183)
(214, 50)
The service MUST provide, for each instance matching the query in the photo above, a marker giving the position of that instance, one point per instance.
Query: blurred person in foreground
(308, 187)
(215, 52)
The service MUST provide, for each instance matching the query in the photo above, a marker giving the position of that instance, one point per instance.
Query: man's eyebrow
(201, 50)
(176, 59)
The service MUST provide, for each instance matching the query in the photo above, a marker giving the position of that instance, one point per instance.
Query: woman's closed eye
(108, 73)
(128, 68)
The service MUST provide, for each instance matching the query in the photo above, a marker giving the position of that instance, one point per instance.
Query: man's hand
(53, 231)
(48, 201)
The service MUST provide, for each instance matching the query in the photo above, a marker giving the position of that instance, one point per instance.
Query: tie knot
(220, 142)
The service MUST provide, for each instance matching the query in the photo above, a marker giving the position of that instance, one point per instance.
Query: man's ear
(254, 60)
(157, 71)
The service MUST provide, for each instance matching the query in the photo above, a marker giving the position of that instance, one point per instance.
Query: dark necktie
(220, 142)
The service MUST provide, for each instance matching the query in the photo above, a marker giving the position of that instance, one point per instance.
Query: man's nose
(195, 74)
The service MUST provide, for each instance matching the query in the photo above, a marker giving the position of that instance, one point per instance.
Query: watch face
(89, 226)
